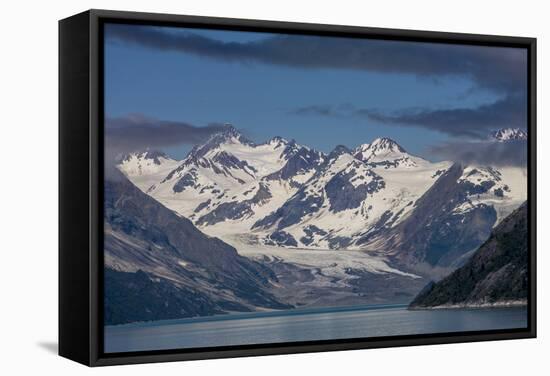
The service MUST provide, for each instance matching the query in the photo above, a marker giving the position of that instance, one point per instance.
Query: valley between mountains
(239, 226)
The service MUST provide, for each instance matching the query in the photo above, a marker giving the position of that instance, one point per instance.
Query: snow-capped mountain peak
(134, 163)
(229, 135)
(220, 179)
(155, 156)
(385, 145)
(279, 141)
(509, 134)
(338, 151)
(382, 146)
(283, 193)
(146, 167)
(385, 152)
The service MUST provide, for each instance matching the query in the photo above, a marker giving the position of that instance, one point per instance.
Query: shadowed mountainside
(151, 250)
(497, 273)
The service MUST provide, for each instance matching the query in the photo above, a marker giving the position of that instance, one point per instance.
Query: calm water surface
(306, 325)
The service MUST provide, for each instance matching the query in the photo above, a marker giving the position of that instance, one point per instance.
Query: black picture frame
(81, 187)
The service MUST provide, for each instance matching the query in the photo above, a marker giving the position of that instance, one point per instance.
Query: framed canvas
(239, 187)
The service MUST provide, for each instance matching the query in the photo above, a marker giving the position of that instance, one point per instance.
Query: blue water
(306, 325)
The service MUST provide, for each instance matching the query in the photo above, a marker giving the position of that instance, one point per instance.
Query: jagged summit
(229, 129)
(229, 134)
(288, 193)
(381, 148)
(509, 134)
(145, 166)
(338, 151)
(381, 145)
(156, 156)
(279, 140)
(385, 144)
(288, 147)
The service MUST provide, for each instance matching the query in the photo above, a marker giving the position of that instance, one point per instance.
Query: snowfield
(334, 264)
(286, 201)
(145, 170)
(511, 181)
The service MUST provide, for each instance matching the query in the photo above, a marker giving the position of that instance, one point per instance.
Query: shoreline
(480, 305)
(263, 314)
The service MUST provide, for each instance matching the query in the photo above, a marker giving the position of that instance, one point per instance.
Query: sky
(169, 88)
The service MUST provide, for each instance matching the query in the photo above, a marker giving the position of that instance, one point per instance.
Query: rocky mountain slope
(146, 167)
(444, 223)
(497, 273)
(152, 250)
(507, 134)
(377, 197)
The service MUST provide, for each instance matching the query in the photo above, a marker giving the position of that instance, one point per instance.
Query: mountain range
(376, 197)
(238, 226)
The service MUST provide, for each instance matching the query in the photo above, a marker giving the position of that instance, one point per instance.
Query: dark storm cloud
(502, 69)
(323, 110)
(474, 122)
(135, 132)
(510, 153)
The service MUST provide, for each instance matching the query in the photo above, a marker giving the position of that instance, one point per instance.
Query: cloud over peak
(498, 68)
(136, 131)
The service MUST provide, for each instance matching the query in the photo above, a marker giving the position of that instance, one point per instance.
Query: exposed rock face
(340, 182)
(142, 235)
(228, 161)
(301, 161)
(187, 180)
(386, 153)
(310, 232)
(338, 151)
(343, 194)
(435, 232)
(281, 238)
(131, 297)
(292, 211)
(496, 274)
(380, 146)
(227, 135)
(236, 209)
